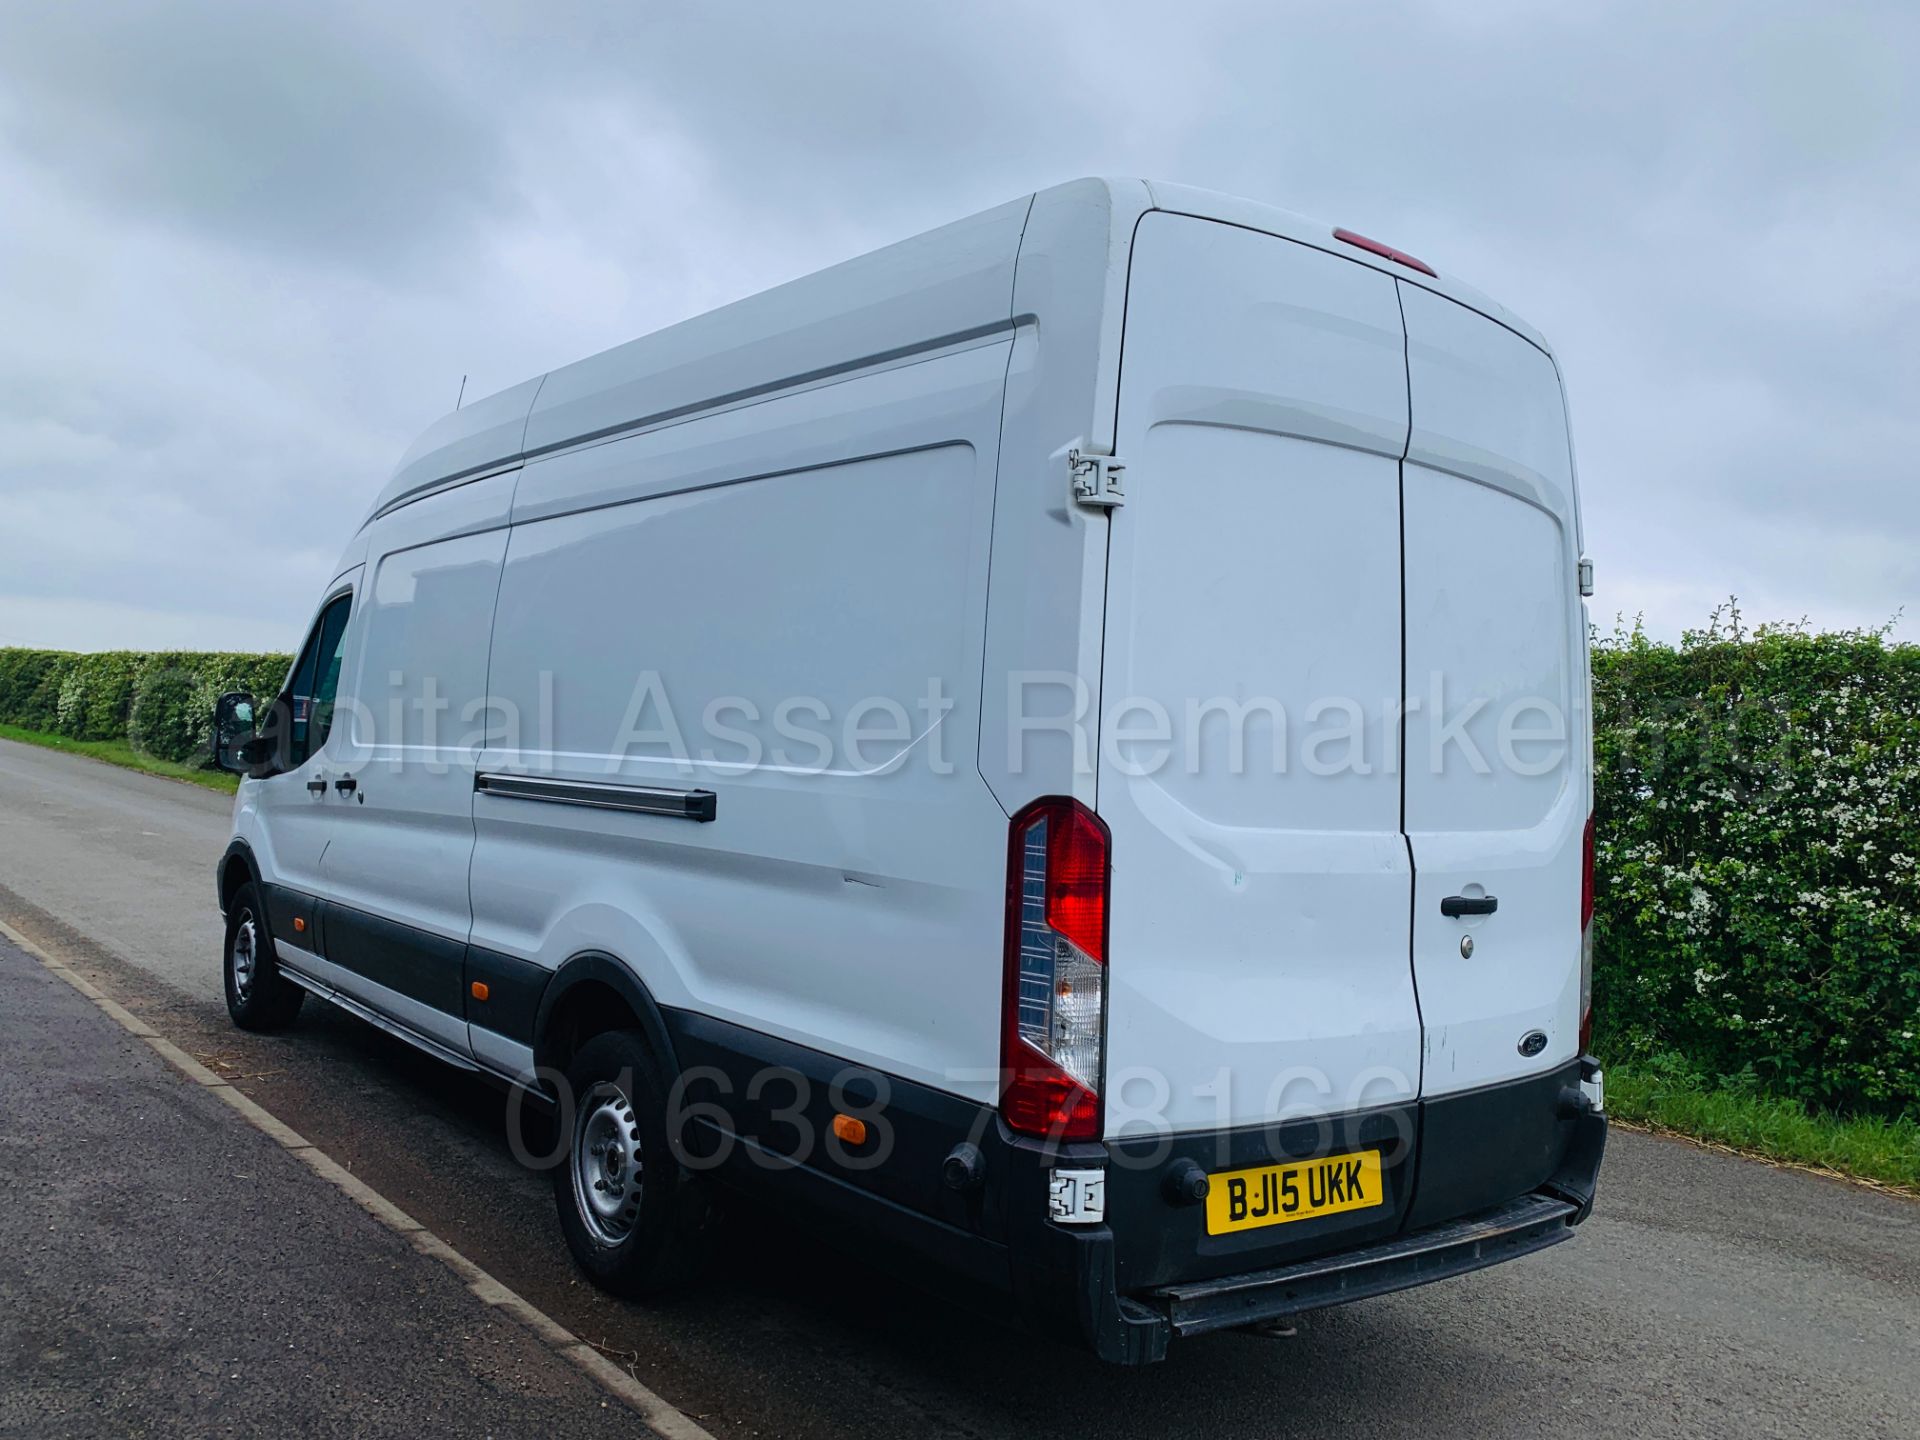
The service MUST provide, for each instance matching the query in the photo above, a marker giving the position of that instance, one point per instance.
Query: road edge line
(658, 1414)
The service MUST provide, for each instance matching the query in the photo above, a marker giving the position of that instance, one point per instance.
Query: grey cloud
(271, 126)
(249, 251)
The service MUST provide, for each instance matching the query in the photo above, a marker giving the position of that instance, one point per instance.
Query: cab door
(1497, 748)
(399, 910)
(295, 810)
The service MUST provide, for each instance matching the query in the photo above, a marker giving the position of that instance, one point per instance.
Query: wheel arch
(237, 866)
(591, 993)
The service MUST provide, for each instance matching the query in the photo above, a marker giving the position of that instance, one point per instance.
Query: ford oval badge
(1533, 1042)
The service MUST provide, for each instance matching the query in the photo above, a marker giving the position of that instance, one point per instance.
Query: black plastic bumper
(1468, 1180)
(1135, 1328)
(1530, 1223)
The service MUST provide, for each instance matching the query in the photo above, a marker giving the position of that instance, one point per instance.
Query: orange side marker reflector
(853, 1131)
(299, 923)
(480, 991)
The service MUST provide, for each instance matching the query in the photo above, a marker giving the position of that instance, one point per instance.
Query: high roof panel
(945, 285)
(952, 282)
(949, 283)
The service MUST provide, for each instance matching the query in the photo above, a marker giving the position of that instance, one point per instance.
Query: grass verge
(119, 752)
(1665, 1097)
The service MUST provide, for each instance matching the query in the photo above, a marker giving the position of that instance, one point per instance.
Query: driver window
(316, 681)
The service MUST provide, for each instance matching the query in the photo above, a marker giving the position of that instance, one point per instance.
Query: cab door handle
(1455, 906)
(345, 784)
(316, 787)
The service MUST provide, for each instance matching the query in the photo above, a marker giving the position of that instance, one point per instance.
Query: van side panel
(783, 606)
(1049, 555)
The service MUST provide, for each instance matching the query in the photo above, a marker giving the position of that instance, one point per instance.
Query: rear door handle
(316, 787)
(344, 784)
(1455, 906)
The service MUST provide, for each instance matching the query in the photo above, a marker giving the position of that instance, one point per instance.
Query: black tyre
(634, 1219)
(259, 997)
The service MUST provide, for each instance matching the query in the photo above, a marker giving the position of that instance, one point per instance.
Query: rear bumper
(1468, 1180)
(1520, 1227)
(1496, 1175)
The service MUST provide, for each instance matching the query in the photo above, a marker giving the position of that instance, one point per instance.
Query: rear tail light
(1586, 938)
(1055, 1002)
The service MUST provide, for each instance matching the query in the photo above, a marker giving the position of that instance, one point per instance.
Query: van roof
(945, 286)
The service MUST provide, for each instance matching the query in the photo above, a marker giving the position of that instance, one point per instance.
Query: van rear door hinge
(1096, 480)
(1586, 576)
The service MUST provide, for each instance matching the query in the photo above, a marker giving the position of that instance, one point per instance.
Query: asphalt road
(1707, 1296)
(166, 1269)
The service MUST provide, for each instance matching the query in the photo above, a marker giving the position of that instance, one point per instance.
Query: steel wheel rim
(246, 955)
(606, 1163)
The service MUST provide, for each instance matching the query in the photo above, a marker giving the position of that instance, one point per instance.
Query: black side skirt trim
(284, 907)
(415, 963)
(514, 991)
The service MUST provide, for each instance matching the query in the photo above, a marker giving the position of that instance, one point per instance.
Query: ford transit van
(1058, 750)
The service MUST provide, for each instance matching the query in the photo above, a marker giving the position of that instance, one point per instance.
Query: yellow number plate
(1275, 1194)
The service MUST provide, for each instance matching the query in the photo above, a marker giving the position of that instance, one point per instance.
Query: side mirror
(233, 731)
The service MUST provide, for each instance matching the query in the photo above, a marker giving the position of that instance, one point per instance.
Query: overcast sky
(247, 251)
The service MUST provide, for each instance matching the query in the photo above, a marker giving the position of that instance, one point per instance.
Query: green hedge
(1758, 860)
(30, 686)
(96, 695)
(161, 703)
(172, 704)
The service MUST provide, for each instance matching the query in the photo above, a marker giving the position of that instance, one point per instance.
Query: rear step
(1533, 1222)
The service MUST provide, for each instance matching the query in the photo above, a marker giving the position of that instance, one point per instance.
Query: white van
(1058, 748)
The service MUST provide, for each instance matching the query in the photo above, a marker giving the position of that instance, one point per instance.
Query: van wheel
(635, 1221)
(259, 997)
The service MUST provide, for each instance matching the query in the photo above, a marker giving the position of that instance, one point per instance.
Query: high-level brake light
(1385, 252)
(1054, 1037)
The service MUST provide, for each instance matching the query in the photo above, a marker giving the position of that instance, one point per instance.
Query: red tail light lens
(1054, 1005)
(1077, 880)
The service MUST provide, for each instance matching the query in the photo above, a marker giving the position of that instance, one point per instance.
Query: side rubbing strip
(645, 799)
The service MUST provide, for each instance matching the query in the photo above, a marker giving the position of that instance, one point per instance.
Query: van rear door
(1261, 888)
(1497, 769)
